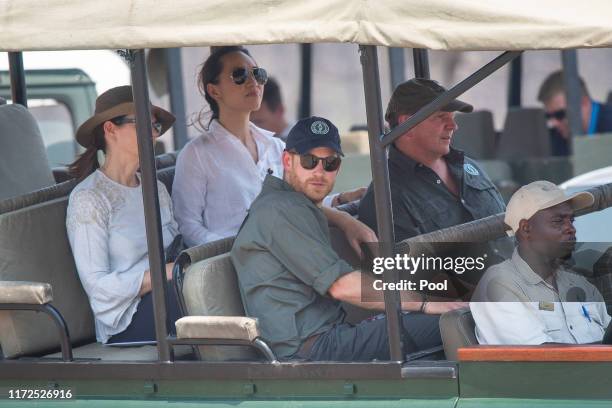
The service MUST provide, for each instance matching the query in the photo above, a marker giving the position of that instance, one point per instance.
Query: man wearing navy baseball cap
(292, 280)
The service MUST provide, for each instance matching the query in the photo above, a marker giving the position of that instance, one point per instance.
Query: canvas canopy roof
(433, 24)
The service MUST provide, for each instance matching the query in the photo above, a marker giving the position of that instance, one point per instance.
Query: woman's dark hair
(88, 162)
(209, 74)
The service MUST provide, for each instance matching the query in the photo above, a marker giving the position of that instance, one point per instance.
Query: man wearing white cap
(532, 298)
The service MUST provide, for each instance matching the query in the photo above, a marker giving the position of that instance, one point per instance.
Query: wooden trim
(545, 352)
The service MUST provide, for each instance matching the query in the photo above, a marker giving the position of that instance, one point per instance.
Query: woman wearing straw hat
(105, 221)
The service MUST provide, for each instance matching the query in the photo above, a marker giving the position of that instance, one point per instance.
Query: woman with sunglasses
(219, 174)
(105, 221)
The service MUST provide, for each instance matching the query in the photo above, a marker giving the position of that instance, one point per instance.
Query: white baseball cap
(540, 195)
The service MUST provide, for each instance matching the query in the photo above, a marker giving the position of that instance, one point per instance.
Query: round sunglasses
(240, 75)
(310, 161)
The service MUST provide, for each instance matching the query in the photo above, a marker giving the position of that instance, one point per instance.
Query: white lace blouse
(106, 230)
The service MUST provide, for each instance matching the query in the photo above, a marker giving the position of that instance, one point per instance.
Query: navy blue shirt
(421, 201)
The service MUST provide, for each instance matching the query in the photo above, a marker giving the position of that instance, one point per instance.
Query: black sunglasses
(122, 120)
(310, 161)
(240, 75)
(558, 114)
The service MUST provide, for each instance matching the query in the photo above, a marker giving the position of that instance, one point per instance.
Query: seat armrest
(222, 330)
(21, 292)
(217, 327)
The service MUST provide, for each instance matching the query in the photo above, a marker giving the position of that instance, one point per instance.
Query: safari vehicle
(230, 363)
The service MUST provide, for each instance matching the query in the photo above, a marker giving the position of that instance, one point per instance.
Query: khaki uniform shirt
(285, 265)
(514, 305)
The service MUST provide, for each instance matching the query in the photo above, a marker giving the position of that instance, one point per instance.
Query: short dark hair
(555, 83)
(272, 95)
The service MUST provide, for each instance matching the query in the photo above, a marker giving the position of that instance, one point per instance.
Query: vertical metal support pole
(305, 85)
(151, 201)
(421, 63)
(515, 82)
(573, 93)
(382, 190)
(17, 74)
(397, 65)
(177, 96)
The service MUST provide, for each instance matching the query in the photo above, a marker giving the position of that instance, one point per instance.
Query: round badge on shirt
(470, 169)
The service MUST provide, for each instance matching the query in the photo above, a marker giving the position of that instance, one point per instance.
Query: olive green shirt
(285, 265)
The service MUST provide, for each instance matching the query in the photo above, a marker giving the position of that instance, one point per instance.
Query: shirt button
(438, 181)
(462, 201)
(571, 327)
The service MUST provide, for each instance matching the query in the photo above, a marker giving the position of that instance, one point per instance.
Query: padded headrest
(475, 134)
(24, 166)
(525, 134)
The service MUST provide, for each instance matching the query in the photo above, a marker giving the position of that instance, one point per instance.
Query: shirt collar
(525, 270)
(272, 183)
(259, 134)
(406, 163)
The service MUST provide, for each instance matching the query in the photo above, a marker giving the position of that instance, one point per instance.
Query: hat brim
(578, 201)
(458, 106)
(85, 135)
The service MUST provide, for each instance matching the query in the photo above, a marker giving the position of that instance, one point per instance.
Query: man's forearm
(348, 289)
(335, 217)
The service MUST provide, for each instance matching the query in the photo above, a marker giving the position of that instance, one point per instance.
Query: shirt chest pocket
(484, 195)
(431, 213)
(552, 322)
(553, 327)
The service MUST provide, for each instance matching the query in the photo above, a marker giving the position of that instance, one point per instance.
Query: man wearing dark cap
(291, 279)
(433, 186)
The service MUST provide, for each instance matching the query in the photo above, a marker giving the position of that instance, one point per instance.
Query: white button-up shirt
(514, 305)
(216, 180)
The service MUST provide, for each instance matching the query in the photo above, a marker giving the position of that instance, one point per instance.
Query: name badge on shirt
(548, 306)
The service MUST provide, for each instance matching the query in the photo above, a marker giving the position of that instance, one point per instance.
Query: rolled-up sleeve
(303, 247)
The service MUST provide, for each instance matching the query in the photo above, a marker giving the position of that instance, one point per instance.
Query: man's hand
(356, 232)
(443, 307)
(349, 196)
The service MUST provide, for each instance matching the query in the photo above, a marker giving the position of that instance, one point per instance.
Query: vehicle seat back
(525, 134)
(210, 288)
(457, 328)
(166, 176)
(24, 166)
(475, 134)
(34, 247)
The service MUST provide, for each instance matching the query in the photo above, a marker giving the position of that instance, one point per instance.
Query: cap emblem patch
(319, 128)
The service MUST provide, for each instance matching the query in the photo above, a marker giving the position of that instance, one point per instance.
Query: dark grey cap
(413, 94)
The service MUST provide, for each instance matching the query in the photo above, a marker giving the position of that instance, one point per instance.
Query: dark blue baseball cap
(313, 132)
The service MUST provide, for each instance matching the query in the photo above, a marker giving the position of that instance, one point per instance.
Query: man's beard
(315, 195)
